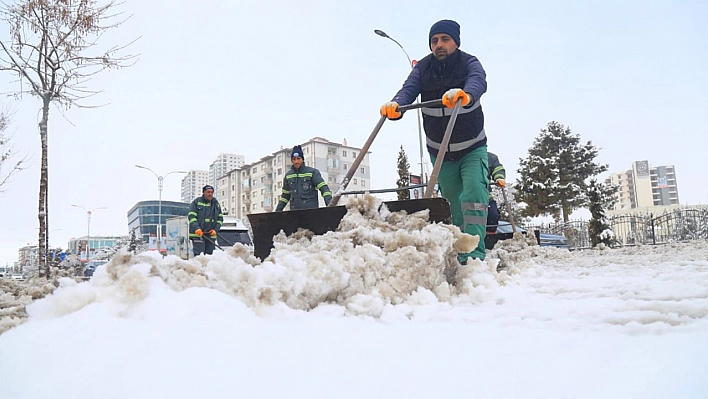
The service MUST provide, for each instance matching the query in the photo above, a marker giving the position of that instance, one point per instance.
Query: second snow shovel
(508, 210)
(322, 220)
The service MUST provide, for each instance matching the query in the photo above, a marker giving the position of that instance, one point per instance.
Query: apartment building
(256, 187)
(192, 185)
(222, 165)
(645, 186)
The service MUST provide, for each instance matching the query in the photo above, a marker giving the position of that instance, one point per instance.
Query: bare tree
(53, 51)
(8, 167)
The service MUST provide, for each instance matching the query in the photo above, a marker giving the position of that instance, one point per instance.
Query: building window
(363, 183)
(280, 171)
(345, 166)
(331, 151)
(353, 154)
(362, 170)
(354, 182)
(344, 153)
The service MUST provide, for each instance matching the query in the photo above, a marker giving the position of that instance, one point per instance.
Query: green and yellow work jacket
(300, 189)
(205, 215)
(496, 170)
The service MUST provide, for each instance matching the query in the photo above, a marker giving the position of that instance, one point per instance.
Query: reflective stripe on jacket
(431, 79)
(496, 170)
(204, 215)
(300, 189)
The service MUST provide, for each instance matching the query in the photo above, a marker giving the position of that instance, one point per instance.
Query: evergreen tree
(403, 175)
(133, 243)
(601, 197)
(552, 177)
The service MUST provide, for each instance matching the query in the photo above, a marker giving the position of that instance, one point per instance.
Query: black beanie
(207, 187)
(297, 152)
(448, 26)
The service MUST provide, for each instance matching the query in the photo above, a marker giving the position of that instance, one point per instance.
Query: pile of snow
(379, 308)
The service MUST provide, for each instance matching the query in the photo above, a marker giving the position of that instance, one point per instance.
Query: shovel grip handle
(431, 103)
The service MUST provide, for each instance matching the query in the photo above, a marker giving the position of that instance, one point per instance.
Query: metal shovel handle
(508, 208)
(213, 242)
(365, 149)
(443, 150)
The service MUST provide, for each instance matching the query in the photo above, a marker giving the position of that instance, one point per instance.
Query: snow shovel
(321, 220)
(213, 242)
(508, 210)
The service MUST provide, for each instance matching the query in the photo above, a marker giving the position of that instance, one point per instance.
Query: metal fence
(676, 225)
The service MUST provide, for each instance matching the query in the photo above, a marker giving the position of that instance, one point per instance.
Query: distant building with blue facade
(144, 217)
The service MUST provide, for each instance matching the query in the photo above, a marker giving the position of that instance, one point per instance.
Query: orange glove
(199, 232)
(451, 96)
(501, 182)
(390, 110)
(212, 233)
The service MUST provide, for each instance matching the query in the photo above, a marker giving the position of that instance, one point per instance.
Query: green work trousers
(465, 183)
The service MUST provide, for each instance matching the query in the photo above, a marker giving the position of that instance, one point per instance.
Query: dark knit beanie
(297, 152)
(207, 187)
(448, 26)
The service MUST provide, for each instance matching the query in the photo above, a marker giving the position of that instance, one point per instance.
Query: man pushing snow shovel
(205, 220)
(453, 75)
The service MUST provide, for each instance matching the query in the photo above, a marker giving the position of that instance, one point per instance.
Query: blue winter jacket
(431, 79)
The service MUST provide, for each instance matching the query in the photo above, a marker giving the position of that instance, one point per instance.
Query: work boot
(462, 259)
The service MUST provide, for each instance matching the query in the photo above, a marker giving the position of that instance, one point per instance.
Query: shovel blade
(322, 220)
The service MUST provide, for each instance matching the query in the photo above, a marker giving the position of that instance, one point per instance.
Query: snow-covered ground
(368, 312)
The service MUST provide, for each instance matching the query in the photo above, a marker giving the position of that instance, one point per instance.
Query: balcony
(246, 189)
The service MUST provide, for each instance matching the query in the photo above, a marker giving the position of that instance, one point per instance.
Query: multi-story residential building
(227, 192)
(222, 165)
(644, 186)
(256, 187)
(27, 258)
(192, 184)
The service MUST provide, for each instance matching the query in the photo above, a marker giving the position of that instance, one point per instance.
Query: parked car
(505, 231)
(92, 265)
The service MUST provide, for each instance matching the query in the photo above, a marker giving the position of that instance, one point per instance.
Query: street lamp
(160, 179)
(88, 229)
(419, 117)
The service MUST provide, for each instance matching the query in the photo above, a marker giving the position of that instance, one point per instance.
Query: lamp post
(160, 179)
(419, 117)
(88, 229)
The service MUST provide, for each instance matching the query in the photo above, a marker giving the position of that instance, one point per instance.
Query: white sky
(373, 320)
(630, 77)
